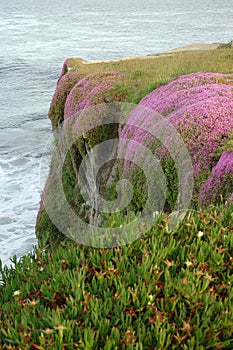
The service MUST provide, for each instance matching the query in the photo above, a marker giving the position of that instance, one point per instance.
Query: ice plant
(89, 91)
(64, 86)
(220, 181)
(199, 106)
(200, 109)
(161, 99)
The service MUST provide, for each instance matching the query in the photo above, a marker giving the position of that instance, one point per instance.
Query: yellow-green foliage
(144, 74)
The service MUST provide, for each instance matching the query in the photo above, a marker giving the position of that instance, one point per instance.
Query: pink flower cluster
(66, 83)
(167, 97)
(64, 86)
(199, 106)
(88, 91)
(205, 125)
(220, 181)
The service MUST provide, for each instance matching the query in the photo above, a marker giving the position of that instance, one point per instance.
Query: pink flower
(220, 181)
(89, 91)
(199, 106)
(64, 86)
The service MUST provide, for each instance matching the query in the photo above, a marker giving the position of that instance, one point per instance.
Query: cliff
(177, 106)
(164, 125)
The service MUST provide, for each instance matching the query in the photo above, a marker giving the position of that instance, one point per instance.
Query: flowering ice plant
(200, 107)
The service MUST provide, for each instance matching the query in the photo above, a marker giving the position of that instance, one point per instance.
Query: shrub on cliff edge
(64, 86)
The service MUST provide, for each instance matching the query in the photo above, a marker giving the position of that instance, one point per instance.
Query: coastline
(73, 293)
(189, 48)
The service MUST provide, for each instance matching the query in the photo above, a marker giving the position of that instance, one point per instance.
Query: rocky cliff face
(199, 108)
(74, 94)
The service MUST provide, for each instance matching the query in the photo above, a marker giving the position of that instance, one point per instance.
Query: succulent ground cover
(94, 89)
(200, 96)
(90, 90)
(170, 289)
(200, 107)
(75, 93)
(64, 86)
(220, 181)
(167, 290)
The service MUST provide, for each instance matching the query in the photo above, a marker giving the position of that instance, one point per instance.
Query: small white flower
(188, 263)
(200, 234)
(17, 292)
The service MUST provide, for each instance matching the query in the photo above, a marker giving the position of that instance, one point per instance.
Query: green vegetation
(226, 45)
(170, 289)
(167, 290)
(140, 76)
(145, 74)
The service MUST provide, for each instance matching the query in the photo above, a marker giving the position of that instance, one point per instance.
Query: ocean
(36, 37)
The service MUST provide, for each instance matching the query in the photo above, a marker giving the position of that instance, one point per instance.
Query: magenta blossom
(89, 90)
(199, 106)
(64, 86)
(220, 181)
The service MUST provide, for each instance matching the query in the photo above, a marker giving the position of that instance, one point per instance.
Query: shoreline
(188, 48)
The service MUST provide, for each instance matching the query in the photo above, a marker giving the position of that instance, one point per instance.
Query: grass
(166, 290)
(226, 45)
(145, 74)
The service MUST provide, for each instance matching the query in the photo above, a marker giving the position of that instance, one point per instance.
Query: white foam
(20, 187)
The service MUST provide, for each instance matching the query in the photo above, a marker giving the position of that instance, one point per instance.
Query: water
(36, 37)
